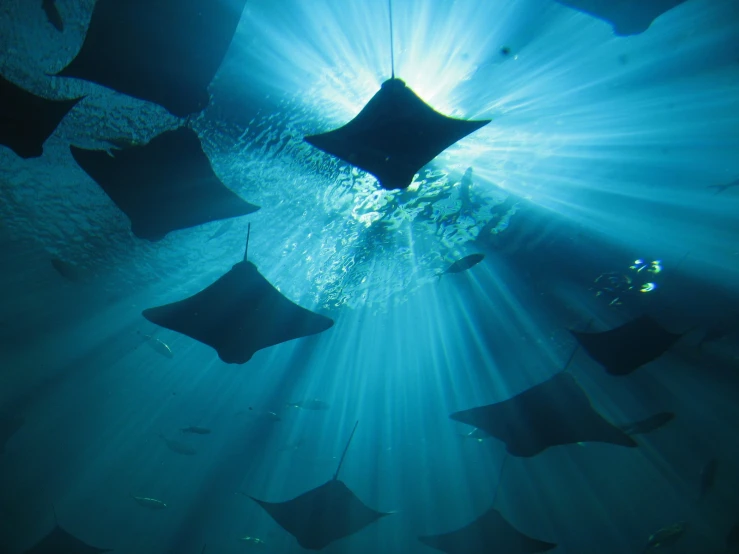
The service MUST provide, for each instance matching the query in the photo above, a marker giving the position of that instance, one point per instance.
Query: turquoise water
(602, 150)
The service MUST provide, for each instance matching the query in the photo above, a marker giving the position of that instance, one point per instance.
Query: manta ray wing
(552, 413)
(626, 348)
(628, 17)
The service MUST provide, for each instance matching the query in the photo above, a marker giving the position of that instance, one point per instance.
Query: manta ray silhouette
(59, 541)
(239, 314)
(165, 185)
(628, 17)
(394, 135)
(163, 51)
(555, 412)
(323, 515)
(626, 348)
(488, 533)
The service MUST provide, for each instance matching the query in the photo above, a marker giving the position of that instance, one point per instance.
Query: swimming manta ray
(27, 120)
(394, 136)
(626, 348)
(555, 412)
(59, 541)
(165, 185)
(239, 314)
(324, 514)
(628, 17)
(488, 533)
(163, 51)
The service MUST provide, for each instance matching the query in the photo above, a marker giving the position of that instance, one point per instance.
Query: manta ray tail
(341, 461)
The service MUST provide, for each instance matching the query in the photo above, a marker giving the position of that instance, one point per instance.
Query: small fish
(152, 503)
(253, 540)
(468, 205)
(52, 14)
(313, 404)
(222, 229)
(477, 434)
(466, 180)
(179, 447)
(269, 416)
(722, 188)
(667, 536)
(652, 423)
(290, 446)
(259, 415)
(196, 430)
(158, 345)
(463, 265)
(121, 143)
(708, 477)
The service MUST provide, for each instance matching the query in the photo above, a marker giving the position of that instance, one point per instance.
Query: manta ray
(323, 515)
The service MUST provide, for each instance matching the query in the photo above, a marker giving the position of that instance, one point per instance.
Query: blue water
(600, 152)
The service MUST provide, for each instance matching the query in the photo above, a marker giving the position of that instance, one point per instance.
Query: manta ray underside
(27, 120)
(324, 514)
(394, 135)
(552, 413)
(628, 17)
(626, 348)
(163, 51)
(165, 185)
(239, 314)
(488, 533)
